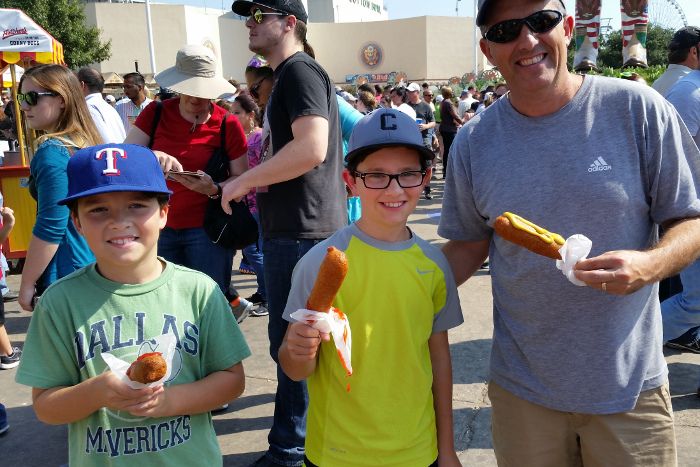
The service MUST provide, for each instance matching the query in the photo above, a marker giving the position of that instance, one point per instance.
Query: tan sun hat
(194, 74)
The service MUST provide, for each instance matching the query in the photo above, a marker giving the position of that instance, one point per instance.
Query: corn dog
(528, 235)
(148, 368)
(330, 277)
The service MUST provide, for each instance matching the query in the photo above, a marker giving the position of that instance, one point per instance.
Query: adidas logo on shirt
(599, 165)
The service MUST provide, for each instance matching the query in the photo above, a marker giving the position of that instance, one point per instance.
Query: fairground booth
(23, 44)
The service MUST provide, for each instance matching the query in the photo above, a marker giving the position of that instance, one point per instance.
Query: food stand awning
(25, 42)
(7, 76)
(112, 78)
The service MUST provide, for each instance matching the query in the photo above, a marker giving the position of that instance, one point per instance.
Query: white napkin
(574, 250)
(336, 324)
(165, 344)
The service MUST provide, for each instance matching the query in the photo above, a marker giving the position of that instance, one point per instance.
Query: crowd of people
(125, 190)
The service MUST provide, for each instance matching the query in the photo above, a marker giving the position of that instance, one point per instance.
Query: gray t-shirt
(685, 97)
(609, 165)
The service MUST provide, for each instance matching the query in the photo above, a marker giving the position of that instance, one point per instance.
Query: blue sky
(407, 8)
(611, 8)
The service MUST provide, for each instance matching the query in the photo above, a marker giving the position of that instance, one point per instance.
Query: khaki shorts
(527, 434)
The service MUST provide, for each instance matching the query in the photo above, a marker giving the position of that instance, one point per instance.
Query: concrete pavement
(242, 429)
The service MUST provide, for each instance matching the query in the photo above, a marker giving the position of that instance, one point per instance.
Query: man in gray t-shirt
(577, 373)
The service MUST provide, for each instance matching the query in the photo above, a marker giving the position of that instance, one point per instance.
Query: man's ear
(291, 23)
(569, 28)
(484, 45)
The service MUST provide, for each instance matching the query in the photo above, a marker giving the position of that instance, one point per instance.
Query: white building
(427, 48)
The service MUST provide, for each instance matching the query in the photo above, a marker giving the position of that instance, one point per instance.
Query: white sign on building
(346, 11)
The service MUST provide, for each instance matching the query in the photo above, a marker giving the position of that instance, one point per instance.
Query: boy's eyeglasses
(380, 181)
(509, 30)
(255, 88)
(32, 97)
(259, 15)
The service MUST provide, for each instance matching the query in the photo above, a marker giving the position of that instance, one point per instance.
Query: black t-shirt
(424, 112)
(313, 205)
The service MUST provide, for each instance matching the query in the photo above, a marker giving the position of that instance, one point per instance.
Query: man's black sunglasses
(32, 97)
(259, 16)
(509, 30)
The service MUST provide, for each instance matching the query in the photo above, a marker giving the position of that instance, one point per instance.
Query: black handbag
(239, 229)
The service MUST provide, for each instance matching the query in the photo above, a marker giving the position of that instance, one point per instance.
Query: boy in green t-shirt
(400, 299)
(119, 202)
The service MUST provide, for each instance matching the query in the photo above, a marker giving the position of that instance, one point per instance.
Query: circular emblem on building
(371, 54)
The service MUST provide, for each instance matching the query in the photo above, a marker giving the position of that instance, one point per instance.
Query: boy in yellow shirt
(400, 299)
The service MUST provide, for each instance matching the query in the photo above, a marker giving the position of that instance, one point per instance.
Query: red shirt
(193, 150)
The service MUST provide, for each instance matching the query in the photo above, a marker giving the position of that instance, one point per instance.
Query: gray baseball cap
(385, 128)
(485, 8)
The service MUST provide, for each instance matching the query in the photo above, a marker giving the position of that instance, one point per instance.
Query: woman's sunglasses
(259, 15)
(539, 23)
(255, 88)
(32, 97)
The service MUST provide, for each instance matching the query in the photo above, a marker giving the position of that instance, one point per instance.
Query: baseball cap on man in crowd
(685, 38)
(109, 168)
(347, 96)
(291, 7)
(413, 87)
(385, 128)
(485, 8)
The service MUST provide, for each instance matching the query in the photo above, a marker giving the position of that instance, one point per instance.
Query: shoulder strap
(154, 125)
(223, 133)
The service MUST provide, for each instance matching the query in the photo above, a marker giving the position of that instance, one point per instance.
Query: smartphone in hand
(187, 173)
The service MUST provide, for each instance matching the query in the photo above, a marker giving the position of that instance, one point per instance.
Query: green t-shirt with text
(84, 314)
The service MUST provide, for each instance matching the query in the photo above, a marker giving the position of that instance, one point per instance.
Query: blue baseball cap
(385, 128)
(113, 167)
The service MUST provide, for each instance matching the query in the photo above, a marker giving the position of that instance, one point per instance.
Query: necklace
(251, 131)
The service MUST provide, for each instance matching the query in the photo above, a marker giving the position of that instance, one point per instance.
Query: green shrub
(650, 74)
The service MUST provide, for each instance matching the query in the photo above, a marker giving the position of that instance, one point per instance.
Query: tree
(65, 20)
(658, 38)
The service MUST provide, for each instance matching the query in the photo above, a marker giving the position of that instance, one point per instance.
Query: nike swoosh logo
(422, 273)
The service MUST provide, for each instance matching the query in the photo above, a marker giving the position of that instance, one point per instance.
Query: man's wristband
(219, 190)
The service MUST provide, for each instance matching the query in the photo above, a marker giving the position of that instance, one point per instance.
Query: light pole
(476, 43)
(149, 28)
(457, 8)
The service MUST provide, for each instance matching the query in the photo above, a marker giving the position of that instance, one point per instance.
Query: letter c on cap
(386, 123)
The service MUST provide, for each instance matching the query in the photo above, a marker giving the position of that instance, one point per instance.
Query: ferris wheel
(667, 13)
